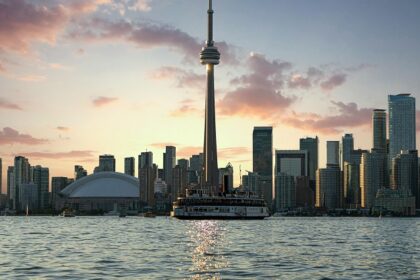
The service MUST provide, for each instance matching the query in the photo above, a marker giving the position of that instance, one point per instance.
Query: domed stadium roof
(103, 184)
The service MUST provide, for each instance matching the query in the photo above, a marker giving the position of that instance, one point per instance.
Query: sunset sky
(80, 78)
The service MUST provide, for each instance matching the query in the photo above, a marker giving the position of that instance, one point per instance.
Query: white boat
(198, 204)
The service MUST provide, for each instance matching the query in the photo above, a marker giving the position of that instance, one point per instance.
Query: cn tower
(210, 56)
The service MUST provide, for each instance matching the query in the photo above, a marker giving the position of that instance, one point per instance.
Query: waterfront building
(147, 176)
(179, 181)
(251, 183)
(328, 187)
(101, 192)
(226, 178)
(373, 170)
(379, 129)
(169, 162)
(196, 169)
(285, 191)
(311, 146)
(129, 166)
(79, 172)
(160, 186)
(347, 146)
(405, 173)
(351, 184)
(22, 175)
(402, 123)
(333, 152)
(57, 185)
(292, 162)
(395, 201)
(304, 193)
(10, 182)
(106, 163)
(262, 159)
(41, 178)
(29, 195)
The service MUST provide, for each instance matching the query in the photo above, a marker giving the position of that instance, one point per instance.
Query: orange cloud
(10, 136)
(62, 128)
(60, 155)
(5, 104)
(103, 100)
(162, 145)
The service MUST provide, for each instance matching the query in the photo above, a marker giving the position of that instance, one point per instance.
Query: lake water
(166, 248)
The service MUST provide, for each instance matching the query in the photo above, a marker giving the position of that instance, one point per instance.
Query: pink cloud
(233, 152)
(11, 136)
(60, 155)
(62, 128)
(103, 101)
(186, 152)
(162, 145)
(184, 79)
(349, 115)
(258, 93)
(23, 22)
(333, 82)
(5, 104)
(186, 108)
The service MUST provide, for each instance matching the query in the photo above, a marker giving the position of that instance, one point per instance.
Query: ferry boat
(199, 204)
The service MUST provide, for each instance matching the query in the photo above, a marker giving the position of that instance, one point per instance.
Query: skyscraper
(169, 162)
(402, 123)
(145, 159)
(292, 162)
(41, 178)
(262, 159)
(285, 191)
(147, 176)
(379, 129)
(333, 152)
(210, 56)
(79, 172)
(22, 175)
(10, 182)
(405, 173)
(129, 165)
(179, 181)
(226, 178)
(310, 145)
(106, 163)
(57, 185)
(347, 146)
(328, 187)
(372, 176)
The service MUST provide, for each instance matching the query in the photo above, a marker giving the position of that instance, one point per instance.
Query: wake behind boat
(199, 204)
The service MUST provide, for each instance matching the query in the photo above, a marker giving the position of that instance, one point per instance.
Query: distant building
(41, 178)
(147, 177)
(10, 183)
(310, 145)
(285, 191)
(106, 164)
(179, 181)
(304, 193)
(379, 129)
(292, 162)
(333, 152)
(347, 146)
(160, 186)
(372, 176)
(262, 159)
(129, 166)
(29, 196)
(57, 185)
(251, 183)
(395, 201)
(405, 173)
(22, 175)
(328, 187)
(351, 184)
(402, 123)
(226, 178)
(79, 172)
(184, 163)
(169, 162)
(356, 156)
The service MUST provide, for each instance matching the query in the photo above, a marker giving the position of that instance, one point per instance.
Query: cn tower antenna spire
(210, 57)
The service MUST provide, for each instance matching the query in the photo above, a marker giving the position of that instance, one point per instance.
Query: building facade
(329, 187)
(41, 178)
(347, 146)
(285, 191)
(333, 152)
(310, 145)
(129, 166)
(372, 176)
(262, 159)
(379, 129)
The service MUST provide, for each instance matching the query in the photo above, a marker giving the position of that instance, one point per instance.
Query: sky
(80, 78)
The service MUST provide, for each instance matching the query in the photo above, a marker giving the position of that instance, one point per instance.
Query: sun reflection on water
(207, 242)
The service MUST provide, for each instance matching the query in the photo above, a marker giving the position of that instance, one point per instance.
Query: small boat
(68, 214)
(149, 214)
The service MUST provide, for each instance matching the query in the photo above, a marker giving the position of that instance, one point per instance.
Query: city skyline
(128, 109)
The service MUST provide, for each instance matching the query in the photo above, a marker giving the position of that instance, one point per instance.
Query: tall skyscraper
(57, 185)
(79, 172)
(41, 178)
(184, 163)
(405, 173)
(379, 129)
(106, 163)
(179, 181)
(226, 178)
(262, 159)
(328, 187)
(310, 145)
(402, 123)
(169, 162)
(333, 152)
(22, 175)
(145, 159)
(210, 57)
(129, 165)
(10, 182)
(285, 191)
(292, 162)
(147, 176)
(351, 184)
(372, 176)
(347, 146)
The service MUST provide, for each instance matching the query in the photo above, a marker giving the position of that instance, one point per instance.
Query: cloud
(233, 152)
(62, 128)
(32, 78)
(186, 108)
(58, 66)
(258, 93)
(11, 136)
(103, 101)
(188, 151)
(5, 104)
(333, 82)
(144, 35)
(348, 116)
(23, 22)
(162, 145)
(139, 5)
(2, 69)
(184, 79)
(60, 155)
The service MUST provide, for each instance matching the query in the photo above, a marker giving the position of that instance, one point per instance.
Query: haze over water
(165, 248)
